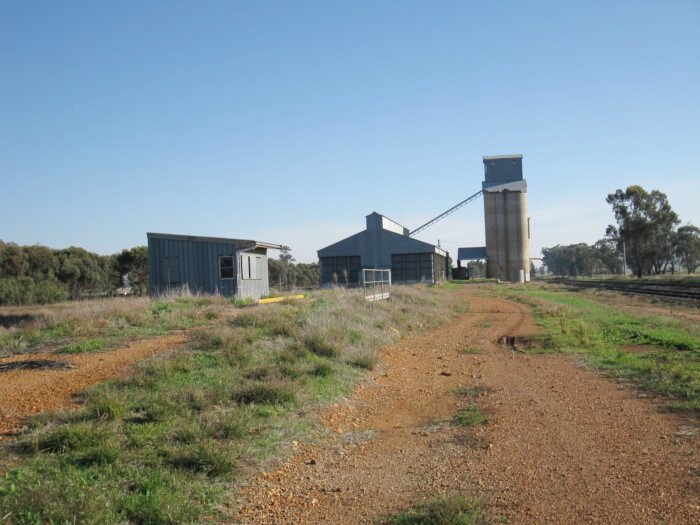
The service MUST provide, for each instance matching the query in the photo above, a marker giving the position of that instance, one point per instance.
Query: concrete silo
(505, 217)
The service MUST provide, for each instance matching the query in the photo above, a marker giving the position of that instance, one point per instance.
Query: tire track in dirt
(27, 392)
(562, 444)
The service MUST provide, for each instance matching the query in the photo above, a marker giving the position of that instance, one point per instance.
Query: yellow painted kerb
(280, 299)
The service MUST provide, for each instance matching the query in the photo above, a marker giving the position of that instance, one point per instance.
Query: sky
(289, 121)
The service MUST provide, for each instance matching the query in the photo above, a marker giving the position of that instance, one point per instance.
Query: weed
(106, 404)
(264, 395)
(227, 425)
(366, 360)
(473, 391)
(207, 456)
(320, 346)
(89, 345)
(321, 370)
(66, 438)
(471, 351)
(245, 301)
(454, 510)
(470, 416)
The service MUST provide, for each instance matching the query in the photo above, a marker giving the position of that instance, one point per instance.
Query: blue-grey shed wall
(375, 247)
(197, 266)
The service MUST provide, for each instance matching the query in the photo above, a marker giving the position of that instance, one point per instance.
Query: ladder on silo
(446, 213)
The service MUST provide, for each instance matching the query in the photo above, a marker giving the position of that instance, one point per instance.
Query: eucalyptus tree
(688, 246)
(645, 226)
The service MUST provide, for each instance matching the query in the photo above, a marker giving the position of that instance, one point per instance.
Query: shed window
(226, 267)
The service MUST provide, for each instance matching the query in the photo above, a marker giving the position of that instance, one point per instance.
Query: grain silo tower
(505, 217)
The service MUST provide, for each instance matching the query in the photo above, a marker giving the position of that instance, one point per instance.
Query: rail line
(687, 292)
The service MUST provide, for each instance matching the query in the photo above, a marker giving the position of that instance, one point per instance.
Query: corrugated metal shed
(384, 244)
(231, 267)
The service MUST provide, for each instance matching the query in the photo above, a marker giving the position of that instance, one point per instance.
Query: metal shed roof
(496, 157)
(199, 238)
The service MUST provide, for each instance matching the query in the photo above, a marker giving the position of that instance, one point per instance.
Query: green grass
(101, 325)
(459, 283)
(164, 445)
(470, 416)
(454, 510)
(655, 353)
(473, 391)
(89, 345)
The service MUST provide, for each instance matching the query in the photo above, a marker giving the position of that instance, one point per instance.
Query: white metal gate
(376, 284)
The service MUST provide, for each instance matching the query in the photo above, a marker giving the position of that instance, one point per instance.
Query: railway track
(678, 291)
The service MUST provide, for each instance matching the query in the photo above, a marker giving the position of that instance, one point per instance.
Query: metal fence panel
(376, 284)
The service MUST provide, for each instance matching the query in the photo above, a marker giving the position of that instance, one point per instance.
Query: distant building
(505, 218)
(231, 267)
(507, 250)
(384, 244)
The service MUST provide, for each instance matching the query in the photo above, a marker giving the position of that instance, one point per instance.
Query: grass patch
(471, 351)
(246, 301)
(454, 510)
(164, 444)
(89, 345)
(365, 360)
(469, 417)
(264, 395)
(654, 353)
(320, 346)
(98, 325)
(473, 391)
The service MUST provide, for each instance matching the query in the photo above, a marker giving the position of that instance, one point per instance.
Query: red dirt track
(24, 393)
(562, 445)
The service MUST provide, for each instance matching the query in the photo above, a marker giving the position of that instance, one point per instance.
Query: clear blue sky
(289, 121)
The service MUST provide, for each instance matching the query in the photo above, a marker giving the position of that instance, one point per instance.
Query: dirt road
(26, 392)
(562, 445)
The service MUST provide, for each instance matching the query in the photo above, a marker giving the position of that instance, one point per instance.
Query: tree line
(286, 275)
(38, 274)
(647, 234)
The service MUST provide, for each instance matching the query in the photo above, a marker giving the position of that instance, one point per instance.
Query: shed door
(170, 271)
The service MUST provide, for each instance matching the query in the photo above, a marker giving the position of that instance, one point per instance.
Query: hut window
(226, 267)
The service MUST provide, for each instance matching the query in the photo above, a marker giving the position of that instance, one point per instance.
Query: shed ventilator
(445, 214)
